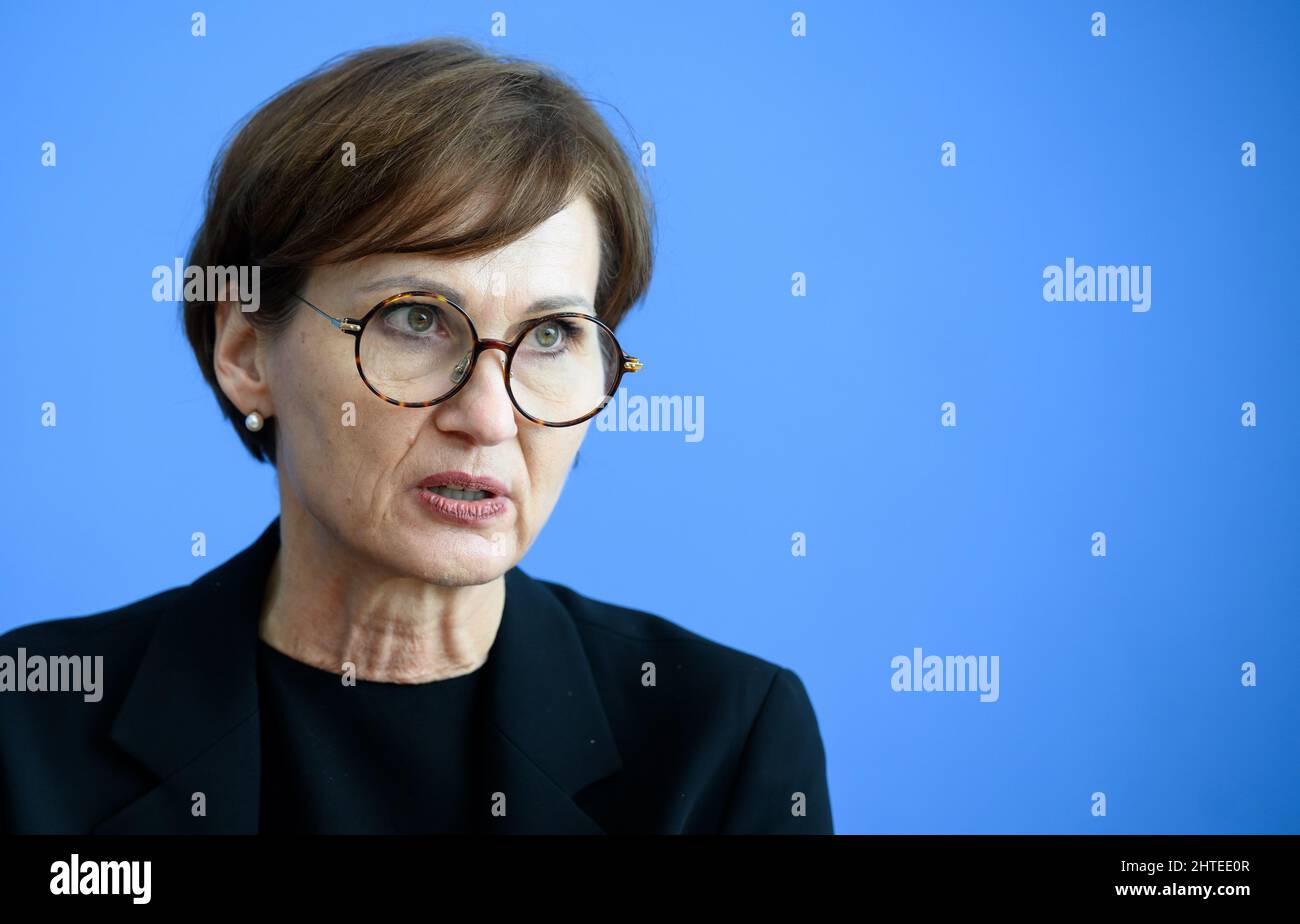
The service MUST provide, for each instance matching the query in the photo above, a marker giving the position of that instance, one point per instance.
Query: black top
(597, 718)
(374, 758)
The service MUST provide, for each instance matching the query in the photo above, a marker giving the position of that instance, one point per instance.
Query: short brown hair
(437, 125)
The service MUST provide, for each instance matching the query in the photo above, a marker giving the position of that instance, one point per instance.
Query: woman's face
(358, 474)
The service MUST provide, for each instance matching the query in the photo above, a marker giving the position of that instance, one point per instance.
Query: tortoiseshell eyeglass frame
(356, 328)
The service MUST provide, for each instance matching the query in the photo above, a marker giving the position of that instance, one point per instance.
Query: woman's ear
(239, 360)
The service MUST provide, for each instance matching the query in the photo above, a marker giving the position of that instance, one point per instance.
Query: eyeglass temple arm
(346, 325)
(632, 364)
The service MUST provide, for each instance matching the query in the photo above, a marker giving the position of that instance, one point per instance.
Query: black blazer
(724, 742)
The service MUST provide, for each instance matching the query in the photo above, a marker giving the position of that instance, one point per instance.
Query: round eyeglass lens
(564, 369)
(411, 348)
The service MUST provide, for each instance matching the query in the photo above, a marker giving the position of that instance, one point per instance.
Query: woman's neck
(326, 608)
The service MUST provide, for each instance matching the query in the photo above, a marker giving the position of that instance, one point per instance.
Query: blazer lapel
(547, 734)
(191, 715)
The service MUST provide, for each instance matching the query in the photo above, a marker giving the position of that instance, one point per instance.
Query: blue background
(775, 155)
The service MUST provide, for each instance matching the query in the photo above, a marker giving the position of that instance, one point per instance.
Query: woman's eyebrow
(425, 284)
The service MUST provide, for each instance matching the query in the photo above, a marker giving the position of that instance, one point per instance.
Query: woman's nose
(482, 409)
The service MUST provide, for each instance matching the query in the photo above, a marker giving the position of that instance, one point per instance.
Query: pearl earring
(254, 421)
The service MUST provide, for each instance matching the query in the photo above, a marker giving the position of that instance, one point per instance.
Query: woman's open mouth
(458, 497)
(457, 494)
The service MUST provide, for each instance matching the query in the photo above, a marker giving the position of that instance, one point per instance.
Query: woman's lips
(456, 509)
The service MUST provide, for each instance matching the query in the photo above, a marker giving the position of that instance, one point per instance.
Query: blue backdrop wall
(948, 441)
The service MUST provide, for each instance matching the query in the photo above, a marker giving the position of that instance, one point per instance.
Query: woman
(446, 241)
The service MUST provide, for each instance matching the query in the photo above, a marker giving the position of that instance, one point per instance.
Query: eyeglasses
(418, 349)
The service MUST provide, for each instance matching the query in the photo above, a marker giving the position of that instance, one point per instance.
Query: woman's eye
(414, 319)
(548, 335)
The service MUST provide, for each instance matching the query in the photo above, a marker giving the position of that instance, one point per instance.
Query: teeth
(457, 494)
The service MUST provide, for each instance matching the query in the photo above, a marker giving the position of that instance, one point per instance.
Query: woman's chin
(459, 560)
